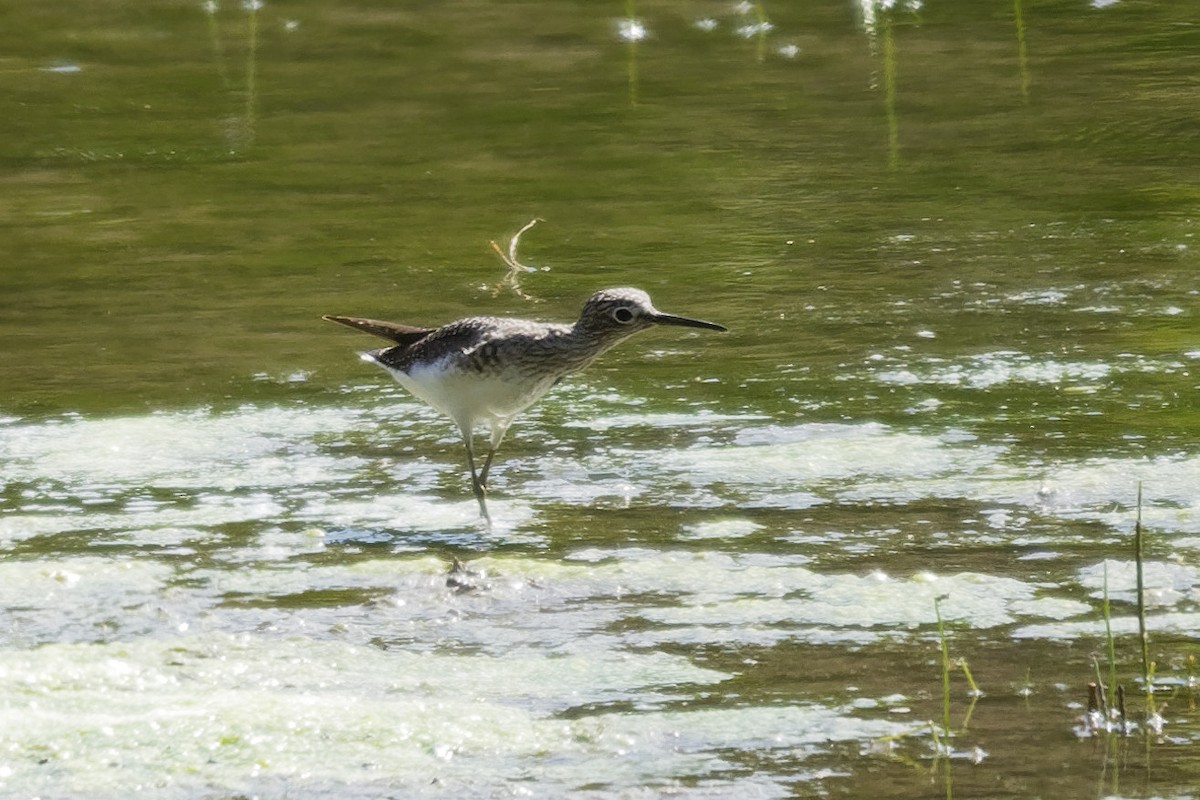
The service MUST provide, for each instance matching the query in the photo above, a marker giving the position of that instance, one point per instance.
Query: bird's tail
(406, 335)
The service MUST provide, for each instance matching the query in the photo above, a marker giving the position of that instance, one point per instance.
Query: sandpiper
(493, 368)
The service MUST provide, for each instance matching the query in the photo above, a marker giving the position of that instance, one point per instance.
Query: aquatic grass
(1153, 714)
(749, 21)
(941, 749)
(1106, 610)
(1022, 52)
(1025, 688)
(974, 692)
(941, 734)
(889, 94)
(878, 23)
(944, 647)
(949, 664)
(1143, 637)
(252, 8)
(1190, 680)
(945, 653)
(758, 29)
(245, 123)
(631, 31)
(1107, 710)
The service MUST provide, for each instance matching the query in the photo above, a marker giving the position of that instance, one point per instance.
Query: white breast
(468, 396)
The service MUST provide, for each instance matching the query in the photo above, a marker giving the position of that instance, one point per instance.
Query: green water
(955, 248)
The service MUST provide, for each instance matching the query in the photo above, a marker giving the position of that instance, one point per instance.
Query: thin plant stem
(761, 13)
(251, 61)
(1022, 54)
(1143, 638)
(631, 57)
(1121, 710)
(1108, 635)
(941, 629)
(889, 93)
(1102, 694)
(1191, 680)
(962, 664)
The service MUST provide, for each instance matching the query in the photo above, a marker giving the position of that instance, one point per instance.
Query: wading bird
(493, 368)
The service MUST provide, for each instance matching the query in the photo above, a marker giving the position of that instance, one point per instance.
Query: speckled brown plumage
(493, 368)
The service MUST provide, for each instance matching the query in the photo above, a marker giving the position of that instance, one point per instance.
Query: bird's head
(626, 311)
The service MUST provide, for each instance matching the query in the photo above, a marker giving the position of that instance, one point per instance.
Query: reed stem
(1143, 638)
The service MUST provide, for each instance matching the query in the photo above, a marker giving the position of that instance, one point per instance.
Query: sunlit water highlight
(174, 621)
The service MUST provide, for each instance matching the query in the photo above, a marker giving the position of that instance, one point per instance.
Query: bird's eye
(622, 315)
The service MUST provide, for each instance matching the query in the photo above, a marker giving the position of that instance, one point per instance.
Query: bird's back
(480, 345)
(480, 367)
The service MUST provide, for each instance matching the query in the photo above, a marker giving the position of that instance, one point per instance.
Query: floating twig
(512, 278)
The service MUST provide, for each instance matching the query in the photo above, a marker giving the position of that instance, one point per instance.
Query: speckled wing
(458, 339)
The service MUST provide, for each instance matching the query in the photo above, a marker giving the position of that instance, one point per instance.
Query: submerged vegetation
(1109, 714)
(1107, 708)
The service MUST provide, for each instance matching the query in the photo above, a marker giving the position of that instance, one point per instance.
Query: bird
(491, 369)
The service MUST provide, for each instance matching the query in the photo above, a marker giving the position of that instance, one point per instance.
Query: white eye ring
(622, 315)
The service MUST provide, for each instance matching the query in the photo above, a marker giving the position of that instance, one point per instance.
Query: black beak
(687, 322)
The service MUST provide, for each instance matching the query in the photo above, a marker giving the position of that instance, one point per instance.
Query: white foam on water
(1164, 584)
(248, 447)
(1178, 623)
(988, 370)
(1040, 297)
(721, 529)
(807, 464)
(710, 596)
(84, 579)
(409, 512)
(143, 526)
(217, 713)
(590, 481)
(875, 601)
(869, 463)
(198, 470)
(133, 476)
(237, 634)
(825, 452)
(411, 577)
(689, 419)
(577, 606)
(50, 600)
(519, 602)
(1105, 490)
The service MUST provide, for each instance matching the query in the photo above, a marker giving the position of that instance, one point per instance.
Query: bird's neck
(588, 343)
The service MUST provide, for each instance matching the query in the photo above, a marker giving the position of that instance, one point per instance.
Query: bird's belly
(466, 396)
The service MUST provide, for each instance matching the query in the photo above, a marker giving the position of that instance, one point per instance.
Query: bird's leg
(499, 428)
(487, 464)
(477, 485)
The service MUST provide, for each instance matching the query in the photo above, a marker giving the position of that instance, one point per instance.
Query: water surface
(956, 251)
